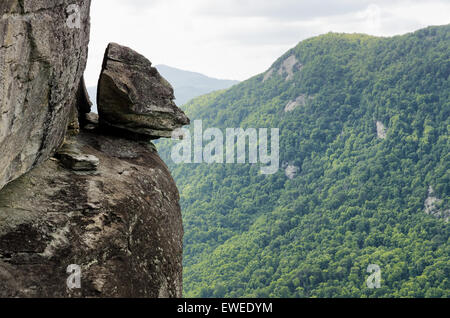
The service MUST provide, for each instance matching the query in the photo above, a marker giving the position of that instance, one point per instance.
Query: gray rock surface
(122, 225)
(288, 66)
(300, 101)
(134, 97)
(381, 130)
(104, 203)
(432, 206)
(42, 58)
(72, 158)
(291, 171)
(287, 69)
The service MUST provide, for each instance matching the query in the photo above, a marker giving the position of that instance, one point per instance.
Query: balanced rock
(42, 59)
(134, 97)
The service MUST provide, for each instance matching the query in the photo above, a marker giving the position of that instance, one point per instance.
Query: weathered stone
(122, 226)
(120, 221)
(42, 59)
(72, 158)
(134, 97)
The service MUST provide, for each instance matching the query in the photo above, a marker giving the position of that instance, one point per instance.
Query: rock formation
(287, 69)
(134, 97)
(91, 196)
(43, 54)
(300, 101)
(432, 206)
(291, 171)
(121, 224)
(288, 66)
(381, 130)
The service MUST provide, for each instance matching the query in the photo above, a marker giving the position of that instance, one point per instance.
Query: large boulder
(121, 224)
(43, 52)
(134, 97)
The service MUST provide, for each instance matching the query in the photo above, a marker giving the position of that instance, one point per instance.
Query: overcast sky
(236, 39)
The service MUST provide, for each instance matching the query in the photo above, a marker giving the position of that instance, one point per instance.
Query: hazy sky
(236, 39)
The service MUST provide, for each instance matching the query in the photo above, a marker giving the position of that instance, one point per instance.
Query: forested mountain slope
(365, 178)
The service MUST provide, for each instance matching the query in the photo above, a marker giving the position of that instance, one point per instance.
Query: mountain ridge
(367, 133)
(188, 84)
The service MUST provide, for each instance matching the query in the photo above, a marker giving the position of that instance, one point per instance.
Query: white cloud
(237, 39)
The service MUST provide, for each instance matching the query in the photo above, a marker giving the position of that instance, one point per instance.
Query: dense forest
(364, 175)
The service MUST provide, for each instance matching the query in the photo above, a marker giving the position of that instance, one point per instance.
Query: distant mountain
(187, 85)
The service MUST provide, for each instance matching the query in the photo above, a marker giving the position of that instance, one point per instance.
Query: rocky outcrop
(300, 101)
(381, 130)
(290, 170)
(287, 69)
(432, 206)
(268, 75)
(134, 97)
(43, 52)
(79, 195)
(121, 224)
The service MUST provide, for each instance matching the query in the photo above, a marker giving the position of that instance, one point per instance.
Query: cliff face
(98, 198)
(43, 53)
